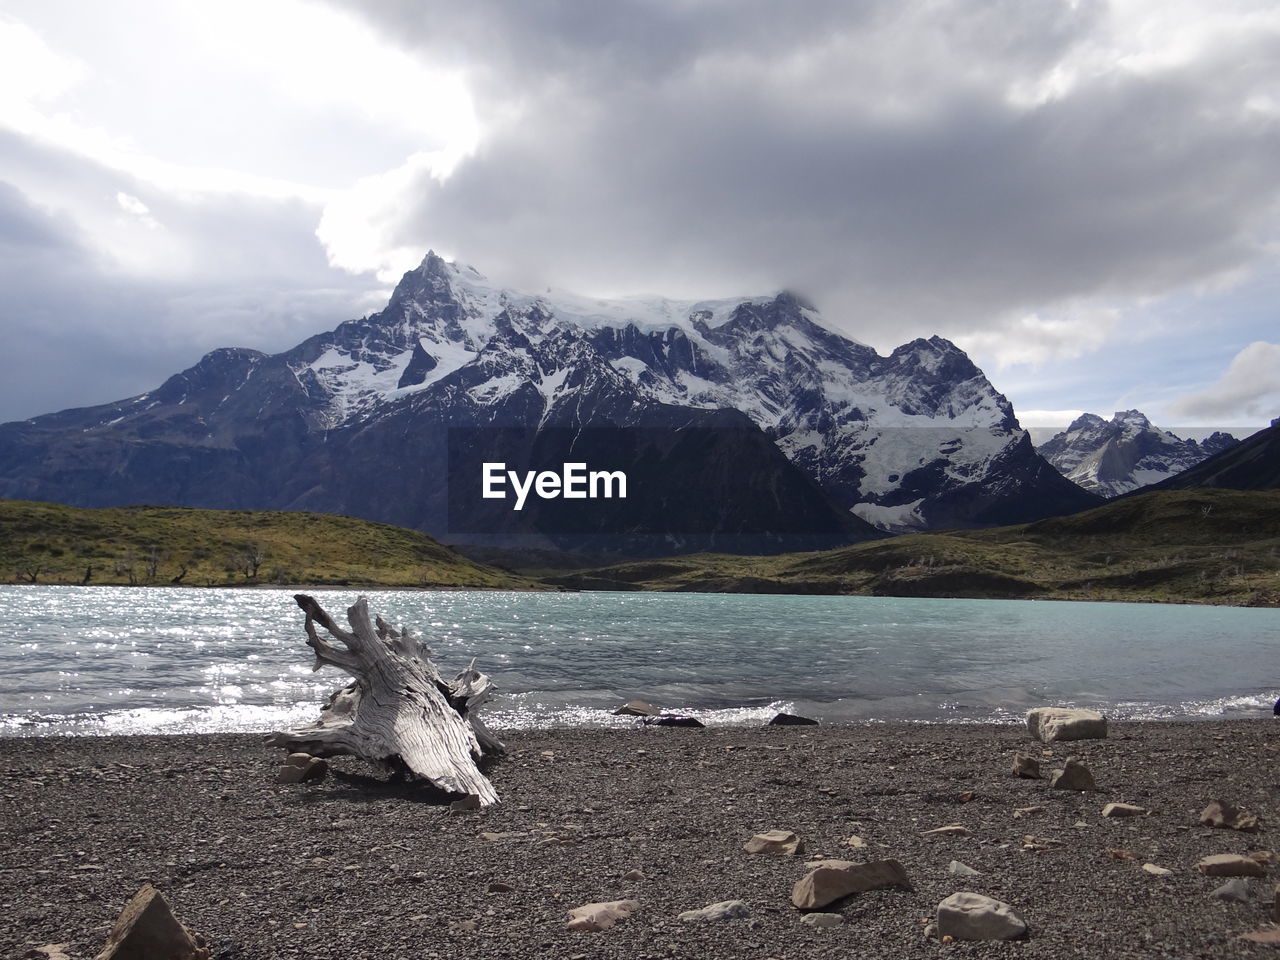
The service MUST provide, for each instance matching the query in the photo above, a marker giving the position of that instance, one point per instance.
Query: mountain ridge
(915, 439)
(1124, 454)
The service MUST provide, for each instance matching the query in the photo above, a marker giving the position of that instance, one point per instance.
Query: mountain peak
(1134, 418)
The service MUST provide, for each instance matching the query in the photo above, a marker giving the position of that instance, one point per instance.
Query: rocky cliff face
(356, 420)
(1127, 452)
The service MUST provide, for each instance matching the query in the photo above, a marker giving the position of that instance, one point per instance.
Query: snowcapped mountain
(353, 420)
(1127, 452)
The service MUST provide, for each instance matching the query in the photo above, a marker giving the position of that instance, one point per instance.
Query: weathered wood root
(398, 706)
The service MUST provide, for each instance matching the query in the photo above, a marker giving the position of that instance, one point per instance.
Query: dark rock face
(819, 436)
(1251, 464)
(1115, 457)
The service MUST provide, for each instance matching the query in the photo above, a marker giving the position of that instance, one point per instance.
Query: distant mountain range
(843, 443)
(1128, 452)
(1252, 464)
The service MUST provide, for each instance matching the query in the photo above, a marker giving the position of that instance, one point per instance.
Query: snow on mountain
(888, 437)
(918, 439)
(1127, 452)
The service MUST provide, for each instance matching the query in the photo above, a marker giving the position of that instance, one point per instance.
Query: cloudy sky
(1083, 194)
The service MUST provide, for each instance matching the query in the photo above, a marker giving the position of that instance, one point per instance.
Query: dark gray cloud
(81, 327)
(889, 160)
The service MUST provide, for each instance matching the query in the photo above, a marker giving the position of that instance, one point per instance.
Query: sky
(1083, 194)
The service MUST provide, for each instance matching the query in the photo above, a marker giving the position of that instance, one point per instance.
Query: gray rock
(724, 910)
(958, 869)
(1049, 724)
(1074, 775)
(822, 920)
(1027, 766)
(791, 720)
(301, 767)
(1235, 890)
(971, 916)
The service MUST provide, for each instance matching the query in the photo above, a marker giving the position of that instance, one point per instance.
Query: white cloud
(1033, 339)
(1057, 419)
(1248, 392)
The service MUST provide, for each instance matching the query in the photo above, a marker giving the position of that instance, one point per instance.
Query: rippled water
(114, 660)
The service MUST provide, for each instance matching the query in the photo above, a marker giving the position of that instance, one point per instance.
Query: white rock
(724, 910)
(1156, 871)
(600, 916)
(822, 920)
(1061, 723)
(971, 916)
(958, 869)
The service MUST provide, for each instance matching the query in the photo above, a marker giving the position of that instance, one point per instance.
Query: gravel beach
(358, 866)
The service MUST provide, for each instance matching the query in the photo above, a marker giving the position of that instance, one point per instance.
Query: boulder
(1049, 724)
(971, 916)
(1124, 810)
(791, 720)
(1220, 813)
(637, 708)
(301, 767)
(1074, 775)
(724, 910)
(833, 879)
(600, 916)
(1027, 766)
(1235, 890)
(775, 841)
(672, 720)
(1230, 865)
(822, 920)
(147, 930)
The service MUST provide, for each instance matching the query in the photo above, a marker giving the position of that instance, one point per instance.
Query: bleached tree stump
(399, 706)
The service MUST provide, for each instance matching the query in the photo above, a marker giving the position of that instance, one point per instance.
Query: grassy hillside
(1195, 546)
(50, 543)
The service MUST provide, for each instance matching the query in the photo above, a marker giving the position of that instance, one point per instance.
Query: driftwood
(399, 709)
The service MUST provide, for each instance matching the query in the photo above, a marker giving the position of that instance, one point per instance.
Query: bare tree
(29, 570)
(127, 566)
(154, 557)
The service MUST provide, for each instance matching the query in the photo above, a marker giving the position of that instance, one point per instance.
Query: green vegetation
(1193, 546)
(51, 543)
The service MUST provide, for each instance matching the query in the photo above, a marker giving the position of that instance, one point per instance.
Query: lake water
(122, 660)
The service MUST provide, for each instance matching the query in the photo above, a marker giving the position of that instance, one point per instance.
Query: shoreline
(556, 588)
(355, 866)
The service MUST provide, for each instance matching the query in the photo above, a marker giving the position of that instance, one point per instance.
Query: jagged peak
(1086, 421)
(1134, 418)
